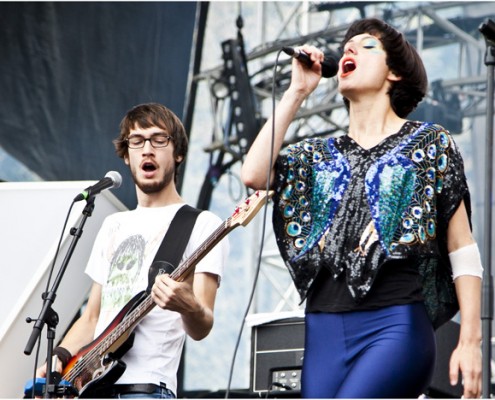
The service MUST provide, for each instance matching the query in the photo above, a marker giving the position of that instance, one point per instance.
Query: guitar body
(98, 387)
(91, 368)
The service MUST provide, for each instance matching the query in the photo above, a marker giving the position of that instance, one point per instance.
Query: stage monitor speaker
(277, 351)
(277, 355)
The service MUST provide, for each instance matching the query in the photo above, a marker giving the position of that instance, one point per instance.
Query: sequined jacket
(350, 209)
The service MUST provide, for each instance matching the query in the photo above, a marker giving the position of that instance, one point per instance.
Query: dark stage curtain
(70, 70)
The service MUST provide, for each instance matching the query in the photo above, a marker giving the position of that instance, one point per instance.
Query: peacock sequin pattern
(349, 209)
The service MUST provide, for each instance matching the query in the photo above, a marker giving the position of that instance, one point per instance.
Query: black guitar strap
(174, 243)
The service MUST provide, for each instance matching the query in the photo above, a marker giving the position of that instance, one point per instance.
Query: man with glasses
(153, 144)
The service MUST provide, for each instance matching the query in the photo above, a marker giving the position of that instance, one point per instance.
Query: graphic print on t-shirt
(125, 267)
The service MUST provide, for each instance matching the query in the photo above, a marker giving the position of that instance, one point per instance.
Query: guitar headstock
(246, 211)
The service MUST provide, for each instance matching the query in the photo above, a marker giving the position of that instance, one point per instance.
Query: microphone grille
(329, 67)
(115, 177)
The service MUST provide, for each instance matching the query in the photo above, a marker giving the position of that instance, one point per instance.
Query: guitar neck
(185, 268)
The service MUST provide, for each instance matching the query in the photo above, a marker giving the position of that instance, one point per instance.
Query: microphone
(329, 67)
(111, 180)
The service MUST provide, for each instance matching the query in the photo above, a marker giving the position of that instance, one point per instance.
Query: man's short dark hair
(148, 115)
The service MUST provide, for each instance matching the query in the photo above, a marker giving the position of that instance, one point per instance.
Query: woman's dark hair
(148, 115)
(402, 59)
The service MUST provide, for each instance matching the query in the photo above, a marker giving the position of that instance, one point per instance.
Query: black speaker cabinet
(277, 350)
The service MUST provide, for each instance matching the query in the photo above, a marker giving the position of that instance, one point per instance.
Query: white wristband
(466, 261)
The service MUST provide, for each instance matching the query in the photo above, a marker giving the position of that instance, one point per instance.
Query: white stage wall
(32, 215)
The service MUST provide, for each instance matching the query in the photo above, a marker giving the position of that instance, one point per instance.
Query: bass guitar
(97, 365)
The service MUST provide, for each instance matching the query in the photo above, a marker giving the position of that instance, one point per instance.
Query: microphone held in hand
(112, 180)
(329, 67)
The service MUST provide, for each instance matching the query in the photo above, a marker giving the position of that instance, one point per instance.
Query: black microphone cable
(263, 230)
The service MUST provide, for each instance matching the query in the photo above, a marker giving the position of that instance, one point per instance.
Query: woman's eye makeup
(367, 43)
(371, 43)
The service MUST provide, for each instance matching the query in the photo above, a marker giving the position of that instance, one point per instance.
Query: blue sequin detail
(307, 222)
(431, 228)
(418, 155)
(407, 238)
(288, 211)
(308, 147)
(439, 185)
(432, 151)
(407, 223)
(430, 174)
(299, 243)
(330, 179)
(443, 140)
(429, 192)
(387, 204)
(422, 234)
(293, 229)
(417, 212)
(442, 162)
(393, 187)
(287, 192)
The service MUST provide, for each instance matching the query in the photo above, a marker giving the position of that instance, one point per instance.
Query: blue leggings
(385, 353)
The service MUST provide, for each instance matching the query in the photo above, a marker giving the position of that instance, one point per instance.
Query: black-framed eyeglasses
(157, 141)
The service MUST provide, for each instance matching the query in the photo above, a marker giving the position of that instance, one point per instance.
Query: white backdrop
(31, 221)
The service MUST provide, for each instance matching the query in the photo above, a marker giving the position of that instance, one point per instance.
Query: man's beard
(154, 187)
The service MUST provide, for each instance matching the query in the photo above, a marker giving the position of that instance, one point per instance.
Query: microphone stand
(48, 316)
(487, 28)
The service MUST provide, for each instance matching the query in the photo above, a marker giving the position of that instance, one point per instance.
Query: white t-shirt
(123, 251)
